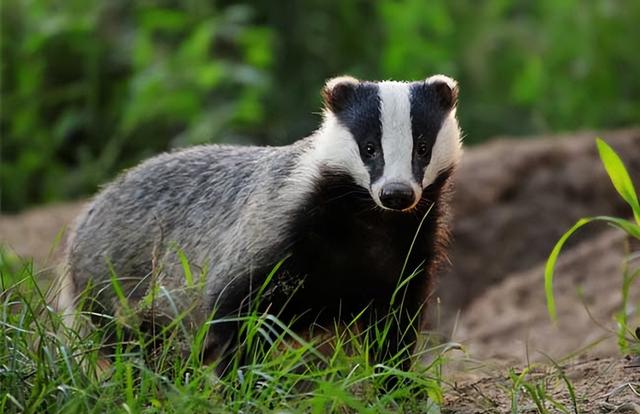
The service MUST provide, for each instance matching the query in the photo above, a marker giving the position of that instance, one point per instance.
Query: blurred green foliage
(90, 87)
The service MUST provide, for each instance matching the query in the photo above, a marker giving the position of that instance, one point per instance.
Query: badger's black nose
(397, 196)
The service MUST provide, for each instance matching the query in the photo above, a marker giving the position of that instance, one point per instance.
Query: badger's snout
(397, 196)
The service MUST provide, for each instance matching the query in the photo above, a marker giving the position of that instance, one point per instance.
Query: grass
(46, 366)
(537, 390)
(541, 391)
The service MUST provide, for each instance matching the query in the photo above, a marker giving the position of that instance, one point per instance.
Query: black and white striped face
(394, 138)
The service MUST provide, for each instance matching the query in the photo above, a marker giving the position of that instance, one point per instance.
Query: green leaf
(152, 19)
(629, 227)
(619, 176)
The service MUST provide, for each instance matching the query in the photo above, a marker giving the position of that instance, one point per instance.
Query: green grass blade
(413, 241)
(629, 227)
(619, 176)
(551, 263)
(184, 262)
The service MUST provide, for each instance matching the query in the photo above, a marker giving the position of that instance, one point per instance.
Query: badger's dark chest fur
(348, 254)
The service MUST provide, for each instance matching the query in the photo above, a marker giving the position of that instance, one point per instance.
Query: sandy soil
(515, 198)
(510, 320)
(39, 233)
(608, 385)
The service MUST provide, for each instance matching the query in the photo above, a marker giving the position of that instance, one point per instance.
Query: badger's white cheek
(337, 148)
(446, 151)
(359, 172)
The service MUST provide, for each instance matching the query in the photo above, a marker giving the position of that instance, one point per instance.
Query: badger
(343, 213)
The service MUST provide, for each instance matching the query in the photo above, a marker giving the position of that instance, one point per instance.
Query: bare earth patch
(607, 385)
(515, 198)
(510, 322)
(39, 233)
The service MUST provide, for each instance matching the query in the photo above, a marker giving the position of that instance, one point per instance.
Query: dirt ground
(509, 321)
(39, 233)
(514, 199)
(608, 385)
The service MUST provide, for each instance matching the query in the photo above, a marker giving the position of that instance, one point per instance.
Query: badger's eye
(370, 150)
(422, 149)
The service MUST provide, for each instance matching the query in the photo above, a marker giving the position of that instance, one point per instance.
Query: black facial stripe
(361, 116)
(427, 116)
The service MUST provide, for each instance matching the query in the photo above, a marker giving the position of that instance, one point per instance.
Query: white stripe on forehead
(397, 141)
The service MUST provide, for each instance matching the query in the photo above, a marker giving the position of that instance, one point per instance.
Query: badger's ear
(338, 91)
(446, 89)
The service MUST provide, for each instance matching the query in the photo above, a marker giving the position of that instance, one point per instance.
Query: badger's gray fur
(342, 205)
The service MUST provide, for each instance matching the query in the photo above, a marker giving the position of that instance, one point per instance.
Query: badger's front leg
(396, 331)
(224, 336)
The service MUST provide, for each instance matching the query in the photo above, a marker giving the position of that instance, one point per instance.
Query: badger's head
(393, 138)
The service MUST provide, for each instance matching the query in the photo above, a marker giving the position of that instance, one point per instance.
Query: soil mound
(515, 198)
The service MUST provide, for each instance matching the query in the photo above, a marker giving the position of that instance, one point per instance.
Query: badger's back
(197, 201)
